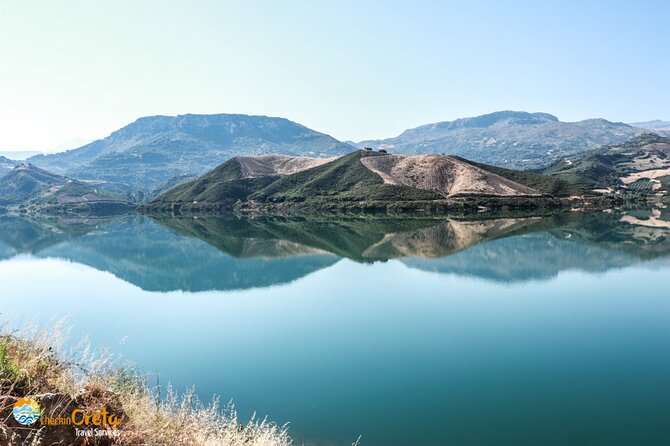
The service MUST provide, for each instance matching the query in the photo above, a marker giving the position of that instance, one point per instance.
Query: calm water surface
(512, 331)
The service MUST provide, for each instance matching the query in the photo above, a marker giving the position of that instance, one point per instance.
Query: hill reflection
(225, 253)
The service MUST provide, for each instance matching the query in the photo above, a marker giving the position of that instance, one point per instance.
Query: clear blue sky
(355, 70)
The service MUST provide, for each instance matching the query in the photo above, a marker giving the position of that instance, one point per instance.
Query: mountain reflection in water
(227, 252)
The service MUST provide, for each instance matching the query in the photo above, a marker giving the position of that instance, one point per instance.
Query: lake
(546, 330)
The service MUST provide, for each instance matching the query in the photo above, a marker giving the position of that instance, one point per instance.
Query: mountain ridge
(508, 138)
(154, 152)
(151, 150)
(653, 125)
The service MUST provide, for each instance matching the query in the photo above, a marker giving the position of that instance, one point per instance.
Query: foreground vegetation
(32, 366)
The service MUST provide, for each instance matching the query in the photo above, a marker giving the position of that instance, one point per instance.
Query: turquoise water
(547, 331)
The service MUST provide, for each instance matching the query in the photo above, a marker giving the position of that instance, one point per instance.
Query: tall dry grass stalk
(36, 361)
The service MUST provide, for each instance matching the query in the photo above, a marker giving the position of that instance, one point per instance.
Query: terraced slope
(641, 164)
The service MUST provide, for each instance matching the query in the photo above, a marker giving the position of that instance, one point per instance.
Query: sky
(353, 69)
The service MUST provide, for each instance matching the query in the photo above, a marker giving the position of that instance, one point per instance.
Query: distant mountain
(508, 138)
(152, 150)
(6, 165)
(654, 125)
(19, 155)
(641, 165)
(363, 179)
(31, 188)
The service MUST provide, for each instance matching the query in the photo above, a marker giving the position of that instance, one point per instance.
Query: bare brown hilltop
(444, 174)
(275, 164)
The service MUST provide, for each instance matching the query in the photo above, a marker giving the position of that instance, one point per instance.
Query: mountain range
(508, 138)
(377, 180)
(155, 150)
(655, 126)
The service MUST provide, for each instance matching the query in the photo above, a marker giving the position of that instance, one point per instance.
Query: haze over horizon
(353, 71)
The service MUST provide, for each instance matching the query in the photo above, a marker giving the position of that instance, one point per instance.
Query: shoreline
(93, 397)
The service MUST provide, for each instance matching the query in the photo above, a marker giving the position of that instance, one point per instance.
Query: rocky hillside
(31, 188)
(508, 138)
(363, 178)
(641, 165)
(152, 150)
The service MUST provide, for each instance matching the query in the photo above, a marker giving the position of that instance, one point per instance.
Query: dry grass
(32, 361)
(35, 362)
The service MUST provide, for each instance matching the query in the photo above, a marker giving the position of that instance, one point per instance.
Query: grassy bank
(31, 365)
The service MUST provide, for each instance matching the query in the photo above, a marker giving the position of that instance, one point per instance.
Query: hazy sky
(355, 70)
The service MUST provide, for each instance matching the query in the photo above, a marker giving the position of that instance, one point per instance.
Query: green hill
(236, 179)
(345, 179)
(361, 180)
(32, 189)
